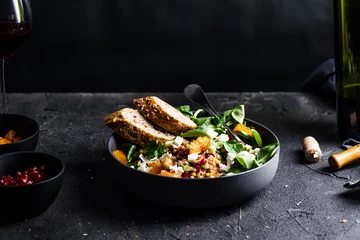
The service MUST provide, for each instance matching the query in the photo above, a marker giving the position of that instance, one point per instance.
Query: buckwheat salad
(204, 152)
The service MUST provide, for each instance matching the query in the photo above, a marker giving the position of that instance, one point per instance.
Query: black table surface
(304, 201)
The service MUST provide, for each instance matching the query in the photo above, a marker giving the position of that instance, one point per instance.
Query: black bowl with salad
(202, 167)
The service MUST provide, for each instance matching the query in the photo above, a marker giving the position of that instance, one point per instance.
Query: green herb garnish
(153, 149)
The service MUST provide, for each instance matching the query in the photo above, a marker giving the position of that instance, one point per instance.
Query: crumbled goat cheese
(247, 147)
(177, 170)
(246, 155)
(144, 159)
(178, 141)
(165, 156)
(143, 167)
(255, 151)
(193, 156)
(223, 137)
(212, 133)
(224, 167)
(230, 158)
(229, 174)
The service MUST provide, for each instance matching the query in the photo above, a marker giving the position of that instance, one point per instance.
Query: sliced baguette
(164, 115)
(131, 125)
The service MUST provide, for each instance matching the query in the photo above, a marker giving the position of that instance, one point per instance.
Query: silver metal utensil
(197, 95)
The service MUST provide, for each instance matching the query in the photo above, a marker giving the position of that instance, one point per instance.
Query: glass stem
(3, 107)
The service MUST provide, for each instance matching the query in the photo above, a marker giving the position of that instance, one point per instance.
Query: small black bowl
(28, 201)
(25, 127)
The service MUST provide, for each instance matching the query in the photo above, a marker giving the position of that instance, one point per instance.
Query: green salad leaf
(233, 146)
(130, 150)
(267, 152)
(130, 154)
(235, 169)
(257, 137)
(153, 149)
(245, 162)
(195, 133)
(235, 115)
(185, 109)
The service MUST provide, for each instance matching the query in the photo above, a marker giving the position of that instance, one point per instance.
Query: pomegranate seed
(31, 169)
(208, 155)
(198, 168)
(203, 161)
(30, 176)
(185, 175)
(38, 177)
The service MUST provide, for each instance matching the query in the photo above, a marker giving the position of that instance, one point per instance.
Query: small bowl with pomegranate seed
(18, 133)
(29, 183)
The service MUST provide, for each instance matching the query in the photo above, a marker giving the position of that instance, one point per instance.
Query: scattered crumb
(85, 234)
(89, 169)
(344, 221)
(92, 178)
(298, 203)
(286, 186)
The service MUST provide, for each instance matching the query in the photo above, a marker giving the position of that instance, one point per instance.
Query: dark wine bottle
(347, 59)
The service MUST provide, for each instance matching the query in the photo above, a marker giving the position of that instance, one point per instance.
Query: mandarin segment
(201, 144)
(244, 129)
(120, 156)
(4, 141)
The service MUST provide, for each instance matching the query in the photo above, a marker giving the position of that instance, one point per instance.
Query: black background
(140, 45)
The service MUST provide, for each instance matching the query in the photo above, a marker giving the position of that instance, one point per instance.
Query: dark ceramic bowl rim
(29, 118)
(205, 179)
(36, 153)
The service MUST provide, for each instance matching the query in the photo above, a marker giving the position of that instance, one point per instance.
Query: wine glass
(15, 28)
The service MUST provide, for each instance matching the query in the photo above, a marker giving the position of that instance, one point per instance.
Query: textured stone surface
(304, 201)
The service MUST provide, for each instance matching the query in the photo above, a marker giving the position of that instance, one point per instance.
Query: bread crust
(137, 133)
(164, 115)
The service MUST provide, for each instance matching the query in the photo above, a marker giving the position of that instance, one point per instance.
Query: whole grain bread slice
(131, 125)
(164, 115)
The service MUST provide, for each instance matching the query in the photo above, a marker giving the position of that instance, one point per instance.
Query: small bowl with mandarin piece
(18, 133)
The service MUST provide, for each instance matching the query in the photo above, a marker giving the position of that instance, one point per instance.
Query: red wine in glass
(12, 36)
(15, 28)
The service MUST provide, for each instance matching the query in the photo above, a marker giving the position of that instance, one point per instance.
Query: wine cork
(311, 149)
(347, 157)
